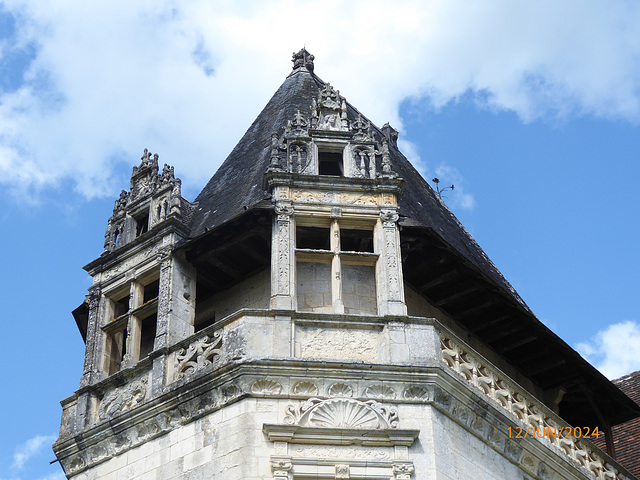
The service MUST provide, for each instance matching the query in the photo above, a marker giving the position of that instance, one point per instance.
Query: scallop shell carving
(340, 390)
(344, 413)
(231, 391)
(416, 392)
(266, 387)
(305, 388)
(379, 391)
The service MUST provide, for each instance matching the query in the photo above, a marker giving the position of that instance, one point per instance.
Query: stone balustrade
(536, 419)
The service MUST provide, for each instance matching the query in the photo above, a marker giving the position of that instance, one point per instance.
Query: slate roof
(238, 188)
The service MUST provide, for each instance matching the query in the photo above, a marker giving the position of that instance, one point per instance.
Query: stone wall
(253, 292)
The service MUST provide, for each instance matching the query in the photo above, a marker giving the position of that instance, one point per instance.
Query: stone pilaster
(391, 285)
(282, 258)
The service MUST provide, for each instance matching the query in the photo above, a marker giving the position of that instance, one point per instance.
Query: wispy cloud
(100, 81)
(32, 447)
(615, 351)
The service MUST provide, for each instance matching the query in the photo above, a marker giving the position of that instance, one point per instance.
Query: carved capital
(389, 218)
(284, 212)
(163, 254)
(93, 298)
(281, 468)
(402, 471)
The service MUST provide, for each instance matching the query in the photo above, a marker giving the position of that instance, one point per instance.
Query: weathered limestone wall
(254, 292)
(225, 444)
(314, 287)
(359, 289)
(417, 306)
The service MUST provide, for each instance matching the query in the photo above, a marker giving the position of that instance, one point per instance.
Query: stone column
(283, 259)
(336, 269)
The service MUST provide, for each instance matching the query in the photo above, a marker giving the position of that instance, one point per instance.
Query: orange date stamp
(548, 432)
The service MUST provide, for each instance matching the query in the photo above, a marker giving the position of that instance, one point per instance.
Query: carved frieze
(379, 392)
(348, 344)
(341, 452)
(123, 399)
(340, 390)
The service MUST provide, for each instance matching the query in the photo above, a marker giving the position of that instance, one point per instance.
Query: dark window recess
(316, 238)
(203, 323)
(117, 350)
(147, 335)
(356, 240)
(121, 307)
(151, 291)
(330, 163)
(142, 224)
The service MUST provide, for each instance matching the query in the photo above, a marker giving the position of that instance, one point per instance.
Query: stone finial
(303, 59)
(391, 134)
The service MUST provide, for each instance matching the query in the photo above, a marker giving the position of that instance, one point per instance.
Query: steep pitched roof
(238, 188)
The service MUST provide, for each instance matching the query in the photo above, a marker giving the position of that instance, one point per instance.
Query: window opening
(148, 335)
(335, 269)
(151, 291)
(356, 240)
(132, 330)
(142, 224)
(330, 163)
(120, 307)
(313, 238)
(116, 350)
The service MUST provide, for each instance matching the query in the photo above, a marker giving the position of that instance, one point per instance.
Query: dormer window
(330, 162)
(336, 267)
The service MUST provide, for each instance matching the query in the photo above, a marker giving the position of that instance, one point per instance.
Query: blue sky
(532, 111)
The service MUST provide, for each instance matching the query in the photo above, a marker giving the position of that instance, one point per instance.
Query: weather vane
(439, 190)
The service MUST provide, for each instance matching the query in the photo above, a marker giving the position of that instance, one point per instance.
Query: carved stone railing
(198, 356)
(530, 412)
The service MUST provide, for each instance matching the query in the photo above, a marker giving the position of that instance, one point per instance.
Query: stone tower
(318, 313)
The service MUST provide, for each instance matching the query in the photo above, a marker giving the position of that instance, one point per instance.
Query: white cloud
(186, 79)
(615, 351)
(32, 447)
